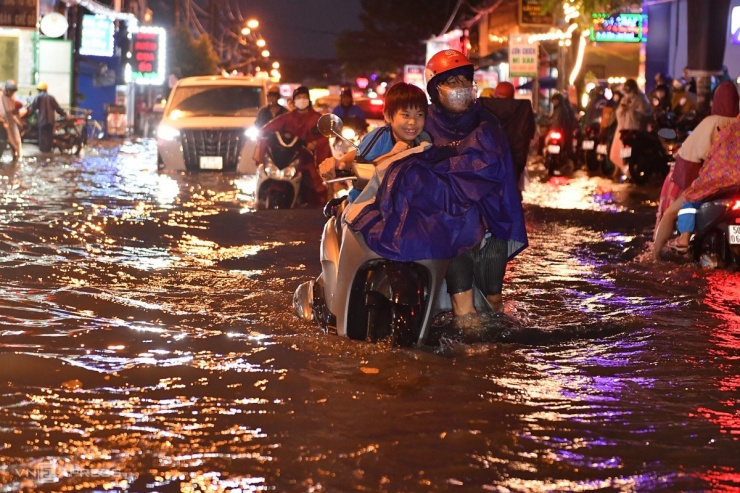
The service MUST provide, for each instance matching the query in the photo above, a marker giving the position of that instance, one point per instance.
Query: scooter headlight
(273, 171)
(252, 133)
(289, 172)
(349, 133)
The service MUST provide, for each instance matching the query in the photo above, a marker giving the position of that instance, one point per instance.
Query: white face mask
(301, 103)
(456, 99)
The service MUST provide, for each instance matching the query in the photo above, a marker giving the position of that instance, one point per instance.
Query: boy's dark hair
(403, 95)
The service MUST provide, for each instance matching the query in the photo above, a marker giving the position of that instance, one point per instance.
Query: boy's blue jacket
(441, 202)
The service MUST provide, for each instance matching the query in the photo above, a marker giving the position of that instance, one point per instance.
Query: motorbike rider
(595, 107)
(46, 105)
(272, 109)
(563, 118)
(405, 112)
(682, 102)
(454, 114)
(720, 172)
(517, 118)
(632, 114)
(352, 115)
(693, 151)
(301, 122)
(660, 96)
(10, 120)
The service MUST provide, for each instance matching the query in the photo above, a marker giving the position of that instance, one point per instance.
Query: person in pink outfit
(720, 172)
(694, 150)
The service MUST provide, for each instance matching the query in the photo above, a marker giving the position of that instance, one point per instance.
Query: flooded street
(147, 343)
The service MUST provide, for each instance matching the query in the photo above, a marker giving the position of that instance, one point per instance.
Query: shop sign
(619, 28)
(148, 56)
(97, 36)
(533, 13)
(522, 57)
(18, 13)
(414, 74)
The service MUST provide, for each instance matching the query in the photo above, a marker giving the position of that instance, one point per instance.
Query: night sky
(305, 28)
(292, 28)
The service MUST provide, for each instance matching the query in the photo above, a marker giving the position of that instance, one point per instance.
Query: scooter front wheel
(404, 326)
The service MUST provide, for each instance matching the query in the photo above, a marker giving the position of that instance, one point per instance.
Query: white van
(208, 124)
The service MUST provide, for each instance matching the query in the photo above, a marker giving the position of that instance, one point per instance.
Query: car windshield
(216, 100)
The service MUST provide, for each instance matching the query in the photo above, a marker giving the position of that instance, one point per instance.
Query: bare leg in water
(667, 225)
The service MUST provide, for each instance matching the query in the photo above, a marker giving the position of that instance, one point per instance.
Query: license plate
(588, 145)
(553, 149)
(601, 149)
(211, 162)
(734, 234)
(625, 152)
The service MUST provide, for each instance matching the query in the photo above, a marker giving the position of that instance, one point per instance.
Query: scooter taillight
(735, 205)
(555, 135)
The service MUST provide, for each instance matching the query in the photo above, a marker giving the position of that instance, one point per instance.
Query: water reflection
(148, 345)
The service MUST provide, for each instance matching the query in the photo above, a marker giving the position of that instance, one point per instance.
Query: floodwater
(147, 343)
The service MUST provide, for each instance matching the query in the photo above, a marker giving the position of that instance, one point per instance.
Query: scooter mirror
(330, 125)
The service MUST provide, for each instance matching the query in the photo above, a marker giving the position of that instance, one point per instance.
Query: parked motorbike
(279, 178)
(70, 134)
(716, 238)
(361, 295)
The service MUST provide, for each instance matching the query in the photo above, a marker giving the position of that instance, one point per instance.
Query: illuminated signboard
(148, 56)
(533, 13)
(18, 13)
(97, 36)
(621, 28)
(735, 25)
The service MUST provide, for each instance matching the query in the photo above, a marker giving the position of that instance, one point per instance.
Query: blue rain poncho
(438, 203)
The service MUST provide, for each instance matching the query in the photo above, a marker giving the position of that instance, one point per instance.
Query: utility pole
(212, 11)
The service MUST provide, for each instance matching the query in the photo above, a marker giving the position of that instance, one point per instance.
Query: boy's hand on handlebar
(327, 168)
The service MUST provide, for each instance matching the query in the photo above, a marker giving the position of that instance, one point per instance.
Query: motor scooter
(556, 156)
(360, 294)
(589, 145)
(279, 178)
(716, 238)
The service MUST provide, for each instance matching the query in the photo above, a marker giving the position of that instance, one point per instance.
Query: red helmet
(444, 61)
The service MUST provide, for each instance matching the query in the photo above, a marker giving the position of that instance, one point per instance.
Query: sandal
(677, 247)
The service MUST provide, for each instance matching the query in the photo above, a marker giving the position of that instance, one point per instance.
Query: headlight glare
(165, 132)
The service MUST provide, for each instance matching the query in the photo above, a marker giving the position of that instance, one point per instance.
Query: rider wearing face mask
(301, 121)
(454, 114)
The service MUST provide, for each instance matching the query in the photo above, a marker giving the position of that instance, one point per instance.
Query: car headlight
(165, 132)
(252, 133)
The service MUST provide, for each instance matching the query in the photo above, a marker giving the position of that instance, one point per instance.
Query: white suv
(208, 124)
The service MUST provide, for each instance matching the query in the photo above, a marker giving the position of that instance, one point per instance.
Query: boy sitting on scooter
(405, 113)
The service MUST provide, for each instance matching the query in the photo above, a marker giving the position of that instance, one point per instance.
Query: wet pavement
(147, 343)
